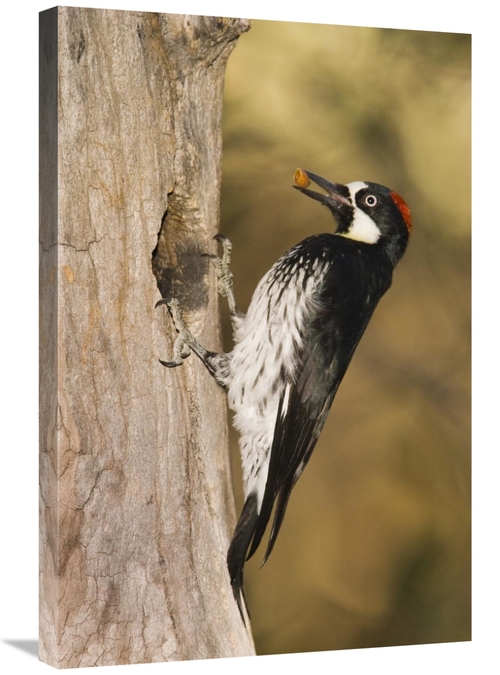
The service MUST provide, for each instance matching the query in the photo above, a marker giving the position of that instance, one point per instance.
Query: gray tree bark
(136, 502)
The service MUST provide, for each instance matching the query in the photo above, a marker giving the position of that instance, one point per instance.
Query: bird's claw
(173, 364)
(222, 238)
(184, 341)
(224, 274)
(163, 301)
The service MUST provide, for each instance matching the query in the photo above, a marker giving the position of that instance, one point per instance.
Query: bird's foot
(224, 274)
(185, 341)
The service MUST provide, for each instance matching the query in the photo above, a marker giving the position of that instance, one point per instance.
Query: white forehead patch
(363, 228)
(355, 187)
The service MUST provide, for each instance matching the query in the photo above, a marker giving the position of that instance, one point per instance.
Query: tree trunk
(136, 497)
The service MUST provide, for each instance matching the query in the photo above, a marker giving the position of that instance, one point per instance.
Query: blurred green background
(375, 547)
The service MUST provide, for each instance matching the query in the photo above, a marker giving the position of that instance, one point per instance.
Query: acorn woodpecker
(294, 345)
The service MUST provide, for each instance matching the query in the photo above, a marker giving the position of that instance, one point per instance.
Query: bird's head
(365, 212)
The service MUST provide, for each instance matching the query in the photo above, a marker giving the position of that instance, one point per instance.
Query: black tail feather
(279, 514)
(237, 553)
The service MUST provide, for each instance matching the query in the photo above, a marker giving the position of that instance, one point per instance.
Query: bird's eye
(370, 200)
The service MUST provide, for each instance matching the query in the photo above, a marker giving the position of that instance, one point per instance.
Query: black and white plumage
(295, 343)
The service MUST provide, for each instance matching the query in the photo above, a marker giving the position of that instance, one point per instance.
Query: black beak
(337, 196)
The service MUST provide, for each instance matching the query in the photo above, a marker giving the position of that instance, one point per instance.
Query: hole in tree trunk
(180, 270)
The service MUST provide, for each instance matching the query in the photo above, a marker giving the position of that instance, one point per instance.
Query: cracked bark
(136, 504)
